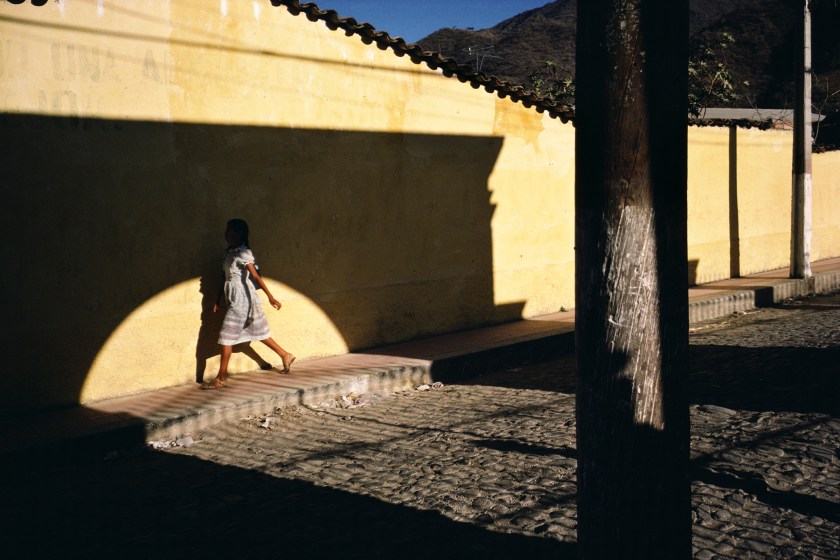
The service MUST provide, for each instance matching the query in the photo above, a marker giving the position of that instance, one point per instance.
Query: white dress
(244, 318)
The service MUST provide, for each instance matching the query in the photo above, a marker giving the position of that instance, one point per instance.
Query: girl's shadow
(207, 345)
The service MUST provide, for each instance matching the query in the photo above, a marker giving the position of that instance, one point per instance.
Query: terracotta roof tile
(740, 123)
(447, 66)
(823, 148)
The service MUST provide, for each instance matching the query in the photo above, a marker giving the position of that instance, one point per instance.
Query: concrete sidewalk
(174, 411)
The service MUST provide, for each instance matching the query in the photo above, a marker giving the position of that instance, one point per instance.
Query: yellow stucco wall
(764, 198)
(385, 200)
(708, 202)
(825, 192)
(739, 202)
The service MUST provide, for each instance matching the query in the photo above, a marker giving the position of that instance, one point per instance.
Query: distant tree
(710, 81)
(550, 83)
(824, 93)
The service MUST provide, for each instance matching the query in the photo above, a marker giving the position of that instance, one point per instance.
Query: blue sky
(414, 19)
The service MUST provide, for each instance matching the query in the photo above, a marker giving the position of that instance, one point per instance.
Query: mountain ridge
(762, 54)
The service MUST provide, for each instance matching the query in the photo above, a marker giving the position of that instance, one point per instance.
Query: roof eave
(448, 66)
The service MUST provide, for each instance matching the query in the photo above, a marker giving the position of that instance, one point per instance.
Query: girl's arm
(256, 276)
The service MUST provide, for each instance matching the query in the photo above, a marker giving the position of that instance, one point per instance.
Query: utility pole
(631, 285)
(800, 254)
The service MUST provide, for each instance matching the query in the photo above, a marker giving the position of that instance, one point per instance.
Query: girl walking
(244, 318)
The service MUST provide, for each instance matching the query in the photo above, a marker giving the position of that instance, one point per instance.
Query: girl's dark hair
(241, 229)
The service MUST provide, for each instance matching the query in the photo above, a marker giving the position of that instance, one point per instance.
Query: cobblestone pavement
(478, 470)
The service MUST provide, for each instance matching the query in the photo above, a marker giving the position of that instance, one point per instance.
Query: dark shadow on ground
(526, 342)
(745, 287)
(754, 484)
(556, 374)
(64, 436)
(158, 505)
(807, 305)
(766, 378)
(525, 448)
(736, 377)
(763, 294)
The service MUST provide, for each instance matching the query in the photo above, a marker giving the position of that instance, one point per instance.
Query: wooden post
(632, 279)
(800, 254)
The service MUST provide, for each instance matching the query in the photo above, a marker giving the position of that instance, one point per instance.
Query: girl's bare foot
(287, 363)
(215, 384)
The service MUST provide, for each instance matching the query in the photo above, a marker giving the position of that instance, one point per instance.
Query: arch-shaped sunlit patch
(171, 339)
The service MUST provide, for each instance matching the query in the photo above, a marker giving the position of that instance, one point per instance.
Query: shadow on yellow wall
(734, 238)
(734, 222)
(388, 234)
